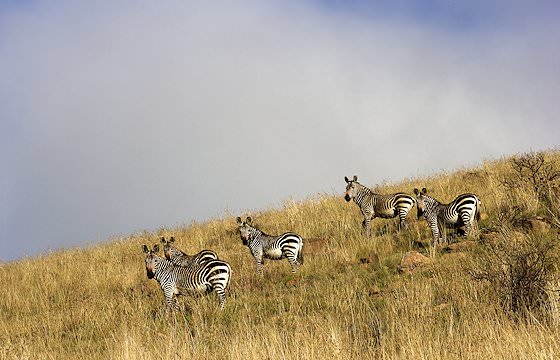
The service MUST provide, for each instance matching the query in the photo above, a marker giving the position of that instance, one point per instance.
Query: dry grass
(98, 303)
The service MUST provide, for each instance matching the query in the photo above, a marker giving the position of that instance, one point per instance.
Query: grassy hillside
(98, 303)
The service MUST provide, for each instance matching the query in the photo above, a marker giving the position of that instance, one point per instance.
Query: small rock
(413, 260)
(538, 225)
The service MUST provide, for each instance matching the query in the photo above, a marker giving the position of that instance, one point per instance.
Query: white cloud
(132, 115)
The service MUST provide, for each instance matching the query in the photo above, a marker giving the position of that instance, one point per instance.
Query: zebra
(375, 205)
(261, 245)
(460, 212)
(180, 280)
(178, 257)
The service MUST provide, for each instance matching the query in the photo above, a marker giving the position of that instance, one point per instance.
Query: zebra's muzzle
(149, 274)
(347, 197)
(420, 213)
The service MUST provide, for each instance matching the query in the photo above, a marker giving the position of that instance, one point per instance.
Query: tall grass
(98, 303)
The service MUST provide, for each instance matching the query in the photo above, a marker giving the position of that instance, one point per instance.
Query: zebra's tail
(300, 254)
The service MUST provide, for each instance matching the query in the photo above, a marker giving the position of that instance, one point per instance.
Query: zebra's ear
(249, 220)
(162, 240)
(145, 248)
(346, 179)
(355, 178)
(239, 220)
(172, 240)
(424, 190)
(156, 248)
(416, 191)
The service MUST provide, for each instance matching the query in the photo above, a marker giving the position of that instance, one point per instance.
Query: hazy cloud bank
(128, 116)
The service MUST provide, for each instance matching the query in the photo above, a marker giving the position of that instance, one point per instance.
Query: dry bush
(520, 269)
(534, 172)
(516, 215)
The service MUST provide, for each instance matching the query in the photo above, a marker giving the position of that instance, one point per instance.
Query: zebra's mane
(161, 259)
(434, 201)
(173, 248)
(260, 231)
(367, 189)
(163, 262)
(179, 250)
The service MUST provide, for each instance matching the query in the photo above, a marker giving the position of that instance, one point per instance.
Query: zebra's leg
(367, 227)
(435, 232)
(468, 229)
(442, 231)
(468, 223)
(219, 282)
(221, 296)
(293, 261)
(260, 263)
(402, 216)
(175, 303)
(170, 301)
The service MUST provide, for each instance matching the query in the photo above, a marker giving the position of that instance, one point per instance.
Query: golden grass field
(97, 302)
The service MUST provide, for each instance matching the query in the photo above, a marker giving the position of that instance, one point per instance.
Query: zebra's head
(420, 201)
(151, 260)
(169, 250)
(350, 188)
(245, 229)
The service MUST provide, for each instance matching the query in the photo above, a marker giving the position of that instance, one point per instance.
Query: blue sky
(123, 116)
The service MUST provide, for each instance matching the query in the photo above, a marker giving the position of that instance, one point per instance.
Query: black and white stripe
(375, 205)
(463, 211)
(180, 280)
(179, 257)
(261, 245)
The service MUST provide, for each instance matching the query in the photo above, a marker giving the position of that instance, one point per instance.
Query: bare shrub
(533, 172)
(515, 215)
(521, 269)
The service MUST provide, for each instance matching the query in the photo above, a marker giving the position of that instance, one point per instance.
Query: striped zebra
(261, 245)
(178, 257)
(375, 205)
(463, 211)
(180, 280)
